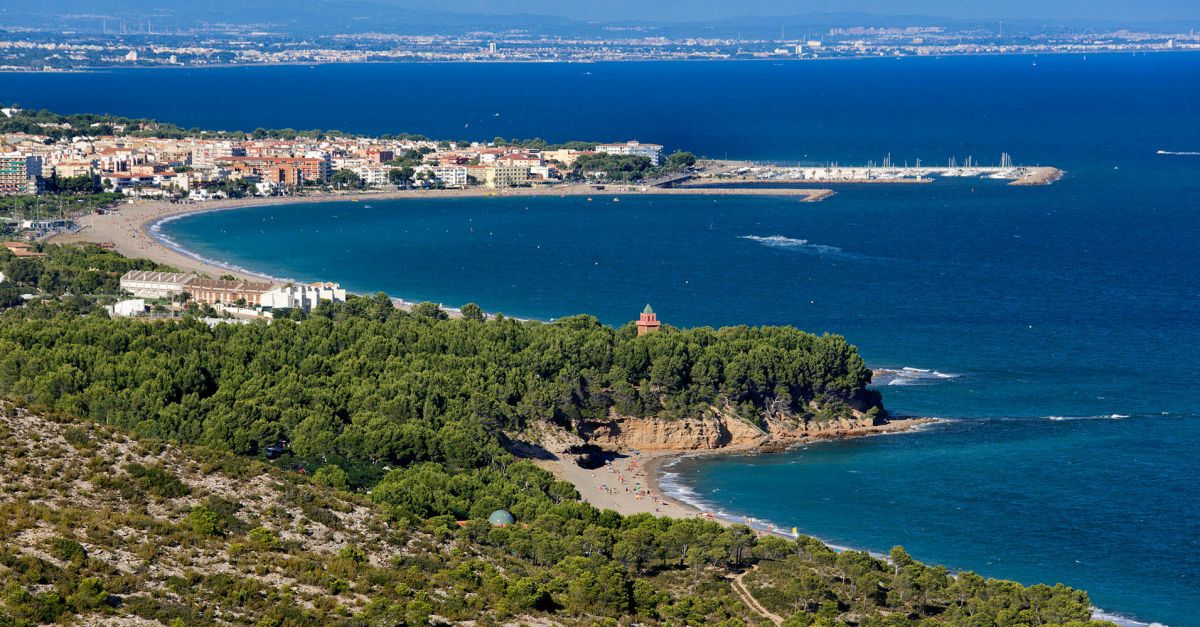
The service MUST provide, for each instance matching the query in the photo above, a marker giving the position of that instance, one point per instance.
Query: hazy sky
(674, 10)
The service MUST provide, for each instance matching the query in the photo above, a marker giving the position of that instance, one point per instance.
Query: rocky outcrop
(724, 430)
(655, 434)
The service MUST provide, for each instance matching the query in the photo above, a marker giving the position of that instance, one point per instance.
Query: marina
(885, 172)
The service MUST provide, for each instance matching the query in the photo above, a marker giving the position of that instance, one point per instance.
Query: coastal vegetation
(58, 126)
(629, 167)
(84, 271)
(370, 384)
(99, 524)
(393, 434)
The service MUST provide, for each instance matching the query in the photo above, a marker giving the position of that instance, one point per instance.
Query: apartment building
(20, 174)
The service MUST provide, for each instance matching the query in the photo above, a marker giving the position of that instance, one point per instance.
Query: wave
(910, 376)
(1121, 621)
(1100, 417)
(798, 245)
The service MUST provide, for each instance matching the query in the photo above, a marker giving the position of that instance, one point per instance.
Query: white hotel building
(636, 148)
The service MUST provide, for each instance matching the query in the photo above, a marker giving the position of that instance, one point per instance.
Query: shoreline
(648, 471)
(632, 482)
(129, 229)
(132, 228)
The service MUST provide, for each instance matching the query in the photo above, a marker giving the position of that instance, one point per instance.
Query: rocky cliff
(725, 430)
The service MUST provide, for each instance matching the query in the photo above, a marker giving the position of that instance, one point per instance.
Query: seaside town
(56, 181)
(199, 168)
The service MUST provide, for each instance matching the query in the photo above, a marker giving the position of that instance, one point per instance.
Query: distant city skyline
(701, 10)
(674, 11)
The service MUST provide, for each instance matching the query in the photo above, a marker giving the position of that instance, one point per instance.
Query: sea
(1054, 329)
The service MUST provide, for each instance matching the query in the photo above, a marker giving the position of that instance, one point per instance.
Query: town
(138, 161)
(53, 167)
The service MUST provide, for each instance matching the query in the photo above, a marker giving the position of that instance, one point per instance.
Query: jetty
(886, 172)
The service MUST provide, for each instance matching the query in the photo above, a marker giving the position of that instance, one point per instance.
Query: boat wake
(1179, 153)
(910, 376)
(798, 245)
(1100, 417)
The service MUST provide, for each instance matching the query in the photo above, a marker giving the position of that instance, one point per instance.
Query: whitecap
(1098, 417)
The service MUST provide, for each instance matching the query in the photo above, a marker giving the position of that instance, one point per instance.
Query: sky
(697, 10)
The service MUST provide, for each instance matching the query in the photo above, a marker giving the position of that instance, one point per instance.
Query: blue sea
(1054, 328)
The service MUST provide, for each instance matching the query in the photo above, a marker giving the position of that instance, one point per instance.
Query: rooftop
(175, 278)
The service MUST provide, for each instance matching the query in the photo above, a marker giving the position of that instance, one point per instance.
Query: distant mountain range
(405, 17)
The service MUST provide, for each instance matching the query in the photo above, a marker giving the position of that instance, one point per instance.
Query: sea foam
(910, 376)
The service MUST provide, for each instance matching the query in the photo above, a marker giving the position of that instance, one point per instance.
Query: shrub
(77, 437)
(264, 538)
(157, 481)
(90, 594)
(204, 521)
(332, 476)
(67, 550)
(353, 554)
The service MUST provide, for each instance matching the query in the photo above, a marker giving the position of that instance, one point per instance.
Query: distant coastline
(1046, 53)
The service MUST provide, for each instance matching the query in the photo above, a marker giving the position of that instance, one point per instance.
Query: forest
(118, 525)
(400, 423)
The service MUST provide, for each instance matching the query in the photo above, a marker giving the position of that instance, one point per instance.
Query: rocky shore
(634, 451)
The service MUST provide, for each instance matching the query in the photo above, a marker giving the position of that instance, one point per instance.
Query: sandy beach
(127, 226)
(630, 482)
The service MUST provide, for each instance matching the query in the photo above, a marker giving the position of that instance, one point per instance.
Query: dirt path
(744, 594)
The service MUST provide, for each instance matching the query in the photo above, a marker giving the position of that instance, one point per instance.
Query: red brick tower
(648, 322)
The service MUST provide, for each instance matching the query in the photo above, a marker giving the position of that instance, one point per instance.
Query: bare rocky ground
(280, 537)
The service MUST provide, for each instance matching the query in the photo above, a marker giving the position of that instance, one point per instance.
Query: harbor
(885, 172)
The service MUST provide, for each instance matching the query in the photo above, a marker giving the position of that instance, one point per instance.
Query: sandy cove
(630, 483)
(127, 226)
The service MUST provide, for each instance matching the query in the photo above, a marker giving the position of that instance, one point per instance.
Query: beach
(127, 227)
(631, 482)
(628, 484)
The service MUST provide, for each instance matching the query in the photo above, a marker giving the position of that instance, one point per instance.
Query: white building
(451, 175)
(150, 284)
(372, 175)
(500, 174)
(128, 308)
(636, 148)
(300, 296)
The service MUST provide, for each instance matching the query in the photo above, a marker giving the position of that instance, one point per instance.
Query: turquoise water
(1058, 325)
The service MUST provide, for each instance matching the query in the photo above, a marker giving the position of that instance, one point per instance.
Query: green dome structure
(501, 518)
